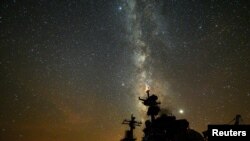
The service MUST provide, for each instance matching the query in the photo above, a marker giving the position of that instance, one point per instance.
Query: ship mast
(129, 135)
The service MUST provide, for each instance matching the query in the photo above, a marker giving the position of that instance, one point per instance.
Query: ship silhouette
(237, 121)
(163, 127)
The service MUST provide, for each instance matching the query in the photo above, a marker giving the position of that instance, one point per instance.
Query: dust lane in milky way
(143, 23)
(74, 69)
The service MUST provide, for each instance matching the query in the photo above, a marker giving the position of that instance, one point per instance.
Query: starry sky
(72, 70)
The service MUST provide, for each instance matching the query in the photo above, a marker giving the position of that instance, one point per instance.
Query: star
(120, 8)
(81, 66)
(181, 111)
(123, 84)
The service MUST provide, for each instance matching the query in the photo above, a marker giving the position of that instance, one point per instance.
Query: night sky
(72, 70)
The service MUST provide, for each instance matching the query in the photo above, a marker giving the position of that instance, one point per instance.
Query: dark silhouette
(129, 135)
(237, 120)
(152, 104)
(161, 128)
(166, 127)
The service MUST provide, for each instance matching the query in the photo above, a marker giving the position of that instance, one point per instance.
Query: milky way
(72, 70)
(142, 24)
